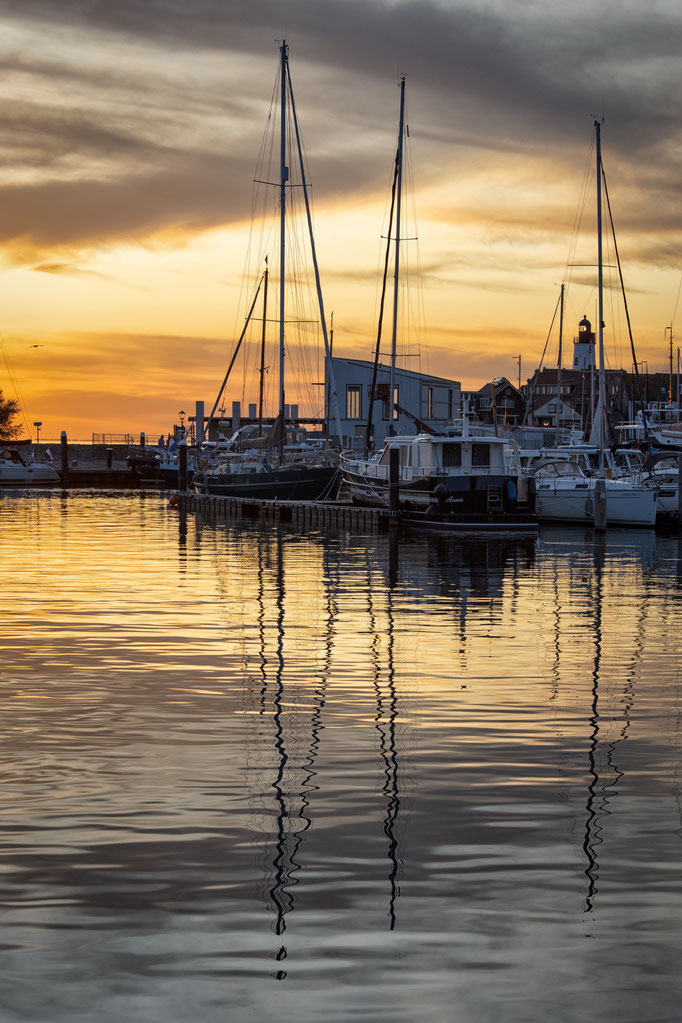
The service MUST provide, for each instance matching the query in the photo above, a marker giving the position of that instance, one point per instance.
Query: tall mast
(600, 300)
(283, 177)
(558, 375)
(262, 350)
(394, 336)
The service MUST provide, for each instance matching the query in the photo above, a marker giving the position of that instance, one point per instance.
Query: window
(429, 402)
(480, 455)
(353, 401)
(452, 455)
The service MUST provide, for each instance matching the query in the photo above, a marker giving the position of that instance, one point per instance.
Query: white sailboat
(564, 492)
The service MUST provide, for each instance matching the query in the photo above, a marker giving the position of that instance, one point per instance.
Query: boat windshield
(559, 468)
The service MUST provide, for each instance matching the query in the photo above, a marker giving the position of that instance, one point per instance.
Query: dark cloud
(167, 137)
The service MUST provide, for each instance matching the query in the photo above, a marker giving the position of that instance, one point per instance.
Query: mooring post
(65, 460)
(182, 468)
(600, 506)
(393, 479)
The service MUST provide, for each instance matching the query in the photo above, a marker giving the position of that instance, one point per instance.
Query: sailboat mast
(600, 300)
(283, 177)
(262, 350)
(394, 335)
(558, 375)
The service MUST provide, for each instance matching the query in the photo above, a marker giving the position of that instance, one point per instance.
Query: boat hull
(28, 476)
(455, 499)
(295, 483)
(567, 501)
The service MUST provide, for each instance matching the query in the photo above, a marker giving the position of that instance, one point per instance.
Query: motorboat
(19, 468)
(453, 478)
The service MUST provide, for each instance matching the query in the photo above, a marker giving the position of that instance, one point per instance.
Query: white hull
(573, 500)
(33, 475)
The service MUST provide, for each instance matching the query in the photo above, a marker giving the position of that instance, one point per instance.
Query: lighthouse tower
(583, 346)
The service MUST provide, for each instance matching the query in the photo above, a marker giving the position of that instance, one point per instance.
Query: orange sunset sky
(130, 136)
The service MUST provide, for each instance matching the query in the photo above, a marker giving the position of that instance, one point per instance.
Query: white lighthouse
(583, 346)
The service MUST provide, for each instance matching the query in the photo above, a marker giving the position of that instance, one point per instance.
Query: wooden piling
(65, 460)
(182, 467)
(600, 506)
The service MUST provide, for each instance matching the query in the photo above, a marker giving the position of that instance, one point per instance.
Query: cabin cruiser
(18, 467)
(454, 478)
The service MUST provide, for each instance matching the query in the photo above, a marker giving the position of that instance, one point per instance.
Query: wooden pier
(304, 514)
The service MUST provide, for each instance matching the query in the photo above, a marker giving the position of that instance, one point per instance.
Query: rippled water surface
(255, 775)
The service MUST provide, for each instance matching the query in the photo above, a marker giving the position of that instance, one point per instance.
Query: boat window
(452, 455)
(480, 455)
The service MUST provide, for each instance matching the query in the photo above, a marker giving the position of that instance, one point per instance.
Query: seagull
(35, 346)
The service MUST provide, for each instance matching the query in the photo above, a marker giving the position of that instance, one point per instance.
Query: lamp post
(182, 423)
(37, 426)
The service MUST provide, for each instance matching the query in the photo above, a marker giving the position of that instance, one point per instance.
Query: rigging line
(234, 356)
(627, 312)
(370, 412)
(531, 396)
(15, 384)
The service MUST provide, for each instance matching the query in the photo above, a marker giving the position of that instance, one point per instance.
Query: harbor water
(254, 774)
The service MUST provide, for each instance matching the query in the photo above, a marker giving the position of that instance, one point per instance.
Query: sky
(130, 141)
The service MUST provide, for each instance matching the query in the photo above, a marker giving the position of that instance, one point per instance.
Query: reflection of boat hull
(289, 483)
(568, 500)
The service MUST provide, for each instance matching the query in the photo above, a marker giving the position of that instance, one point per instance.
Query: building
(420, 398)
(497, 402)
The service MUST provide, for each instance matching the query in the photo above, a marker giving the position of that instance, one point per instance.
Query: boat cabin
(459, 454)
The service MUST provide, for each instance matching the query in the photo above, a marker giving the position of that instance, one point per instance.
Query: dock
(304, 514)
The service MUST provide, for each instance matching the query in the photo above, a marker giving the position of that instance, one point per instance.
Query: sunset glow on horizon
(131, 138)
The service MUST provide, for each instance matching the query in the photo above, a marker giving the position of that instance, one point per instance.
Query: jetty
(303, 514)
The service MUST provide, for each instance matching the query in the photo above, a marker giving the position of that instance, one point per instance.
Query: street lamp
(182, 422)
(37, 426)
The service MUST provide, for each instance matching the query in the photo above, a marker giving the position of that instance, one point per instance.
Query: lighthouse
(583, 346)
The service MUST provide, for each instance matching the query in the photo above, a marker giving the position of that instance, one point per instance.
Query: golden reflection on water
(336, 757)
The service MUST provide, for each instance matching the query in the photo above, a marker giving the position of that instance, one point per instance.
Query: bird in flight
(35, 346)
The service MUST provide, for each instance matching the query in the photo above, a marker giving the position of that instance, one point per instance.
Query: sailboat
(269, 473)
(453, 479)
(564, 492)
